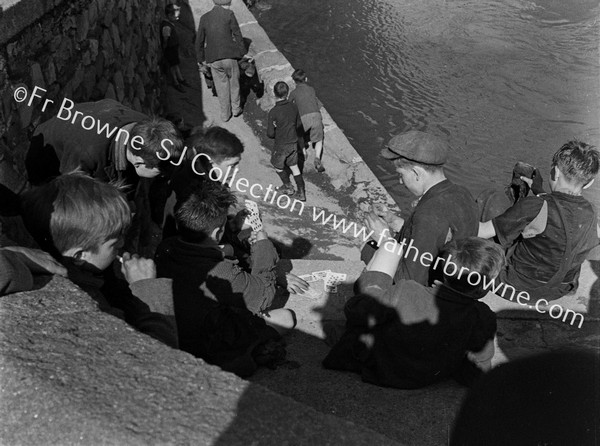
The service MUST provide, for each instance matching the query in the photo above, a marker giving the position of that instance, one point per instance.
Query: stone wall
(84, 50)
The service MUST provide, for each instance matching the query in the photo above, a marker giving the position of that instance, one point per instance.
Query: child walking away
(309, 108)
(222, 311)
(170, 44)
(282, 124)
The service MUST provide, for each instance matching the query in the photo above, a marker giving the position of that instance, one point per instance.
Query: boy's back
(564, 228)
(305, 98)
(283, 122)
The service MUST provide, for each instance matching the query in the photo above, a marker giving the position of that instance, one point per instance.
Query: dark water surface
(503, 80)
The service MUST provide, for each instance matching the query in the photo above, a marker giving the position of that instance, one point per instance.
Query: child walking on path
(309, 108)
(282, 124)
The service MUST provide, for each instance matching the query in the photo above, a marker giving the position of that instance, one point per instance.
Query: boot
(286, 189)
(319, 165)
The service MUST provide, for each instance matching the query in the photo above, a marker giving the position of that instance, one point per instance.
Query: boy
(407, 335)
(84, 220)
(550, 235)
(128, 148)
(309, 108)
(216, 302)
(282, 124)
(170, 45)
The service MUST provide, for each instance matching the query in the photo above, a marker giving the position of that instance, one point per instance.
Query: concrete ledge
(75, 375)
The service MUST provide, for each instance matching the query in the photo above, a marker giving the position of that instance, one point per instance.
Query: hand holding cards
(330, 282)
(253, 217)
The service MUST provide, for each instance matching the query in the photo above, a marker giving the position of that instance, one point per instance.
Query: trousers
(226, 76)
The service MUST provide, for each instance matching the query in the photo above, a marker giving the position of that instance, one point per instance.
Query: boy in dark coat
(406, 335)
(221, 309)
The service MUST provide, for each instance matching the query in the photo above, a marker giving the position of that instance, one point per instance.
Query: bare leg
(282, 320)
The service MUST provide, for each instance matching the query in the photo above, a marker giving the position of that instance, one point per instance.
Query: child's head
(281, 90)
(153, 132)
(172, 11)
(80, 217)
(203, 213)
(299, 76)
(578, 162)
(222, 148)
(474, 258)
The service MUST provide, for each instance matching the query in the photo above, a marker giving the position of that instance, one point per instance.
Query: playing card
(321, 275)
(333, 279)
(308, 278)
(253, 218)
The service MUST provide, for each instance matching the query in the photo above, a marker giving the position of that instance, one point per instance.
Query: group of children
(411, 322)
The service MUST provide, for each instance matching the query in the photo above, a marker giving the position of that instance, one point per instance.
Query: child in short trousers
(309, 108)
(282, 124)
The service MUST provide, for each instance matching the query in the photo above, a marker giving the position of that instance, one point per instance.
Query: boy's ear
(216, 234)
(589, 183)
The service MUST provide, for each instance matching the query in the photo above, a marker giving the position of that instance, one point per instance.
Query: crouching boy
(84, 221)
(549, 236)
(407, 335)
(221, 309)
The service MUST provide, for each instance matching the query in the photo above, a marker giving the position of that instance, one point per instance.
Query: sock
(299, 181)
(285, 178)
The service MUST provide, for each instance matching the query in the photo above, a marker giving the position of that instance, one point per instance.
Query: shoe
(300, 195)
(184, 82)
(286, 189)
(319, 166)
(238, 113)
(179, 88)
(225, 119)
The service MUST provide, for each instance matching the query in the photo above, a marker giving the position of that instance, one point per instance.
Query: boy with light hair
(82, 222)
(550, 235)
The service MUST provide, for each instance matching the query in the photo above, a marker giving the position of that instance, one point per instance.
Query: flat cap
(418, 146)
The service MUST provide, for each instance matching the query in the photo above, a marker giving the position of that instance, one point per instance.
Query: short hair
(218, 143)
(299, 76)
(477, 255)
(203, 210)
(281, 90)
(578, 161)
(76, 211)
(153, 132)
(406, 163)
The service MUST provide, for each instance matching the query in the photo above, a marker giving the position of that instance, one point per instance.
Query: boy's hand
(137, 268)
(295, 284)
(239, 221)
(257, 236)
(378, 225)
(39, 261)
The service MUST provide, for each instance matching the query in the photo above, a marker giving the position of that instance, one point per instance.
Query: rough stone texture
(73, 49)
(71, 374)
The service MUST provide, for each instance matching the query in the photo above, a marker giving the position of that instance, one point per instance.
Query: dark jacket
(407, 335)
(219, 36)
(60, 146)
(283, 123)
(445, 212)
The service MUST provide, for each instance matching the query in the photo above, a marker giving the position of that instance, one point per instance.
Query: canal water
(503, 80)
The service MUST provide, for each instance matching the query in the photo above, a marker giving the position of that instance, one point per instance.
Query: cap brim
(388, 154)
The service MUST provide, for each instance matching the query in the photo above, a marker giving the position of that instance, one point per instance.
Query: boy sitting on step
(221, 309)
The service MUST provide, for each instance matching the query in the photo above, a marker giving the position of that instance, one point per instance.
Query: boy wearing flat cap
(444, 211)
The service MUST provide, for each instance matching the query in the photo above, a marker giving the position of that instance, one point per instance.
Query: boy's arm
(271, 124)
(258, 287)
(15, 276)
(508, 226)
(199, 44)
(236, 33)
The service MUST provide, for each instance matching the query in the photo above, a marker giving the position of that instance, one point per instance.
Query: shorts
(286, 155)
(313, 123)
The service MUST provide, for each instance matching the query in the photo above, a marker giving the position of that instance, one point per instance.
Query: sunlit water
(502, 80)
